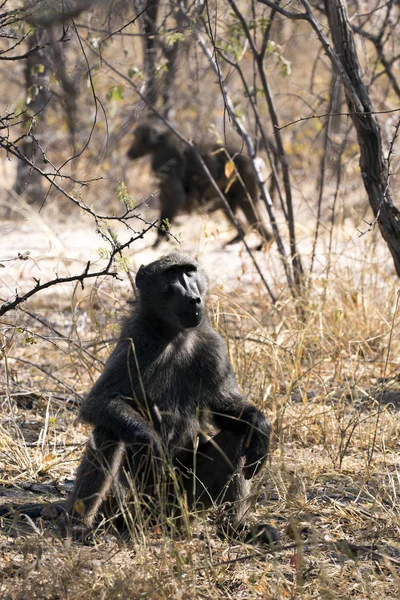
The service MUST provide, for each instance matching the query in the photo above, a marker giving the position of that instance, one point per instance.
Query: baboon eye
(172, 270)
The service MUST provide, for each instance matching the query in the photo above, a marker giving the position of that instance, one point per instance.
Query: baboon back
(184, 185)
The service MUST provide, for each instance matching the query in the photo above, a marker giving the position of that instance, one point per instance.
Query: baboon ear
(154, 136)
(141, 277)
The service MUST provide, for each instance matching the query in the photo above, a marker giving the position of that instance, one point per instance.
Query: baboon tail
(45, 510)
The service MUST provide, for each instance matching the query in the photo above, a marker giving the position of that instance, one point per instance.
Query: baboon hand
(256, 448)
(254, 462)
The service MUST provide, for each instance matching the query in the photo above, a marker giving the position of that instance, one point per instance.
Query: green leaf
(116, 92)
(124, 196)
(174, 37)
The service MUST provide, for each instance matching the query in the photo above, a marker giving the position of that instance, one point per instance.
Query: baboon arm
(172, 198)
(245, 419)
(124, 421)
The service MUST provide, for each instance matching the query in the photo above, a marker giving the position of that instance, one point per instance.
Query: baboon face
(183, 296)
(173, 289)
(145, 139)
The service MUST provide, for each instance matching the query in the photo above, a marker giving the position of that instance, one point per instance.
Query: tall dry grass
(327, 376)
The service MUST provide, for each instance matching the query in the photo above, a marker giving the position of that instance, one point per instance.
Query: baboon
(185, 186)
(166, 382)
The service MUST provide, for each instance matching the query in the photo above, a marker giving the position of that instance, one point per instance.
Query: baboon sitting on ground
(169, 376)
(185, 186)
(167, 380)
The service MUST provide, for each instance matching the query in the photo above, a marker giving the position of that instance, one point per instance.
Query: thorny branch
(377, 39)
(328, 115)
(250, 147)
(54, 176)
(343, 56)
(309, 17)
(13, 149)
(81, 278)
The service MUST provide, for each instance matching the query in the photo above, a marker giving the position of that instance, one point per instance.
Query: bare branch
(81, 278)
(337, 114)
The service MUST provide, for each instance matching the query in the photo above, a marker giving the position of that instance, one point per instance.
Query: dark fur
(167, 380)
(184, 184)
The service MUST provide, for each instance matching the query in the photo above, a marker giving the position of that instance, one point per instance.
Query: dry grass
(328, 381)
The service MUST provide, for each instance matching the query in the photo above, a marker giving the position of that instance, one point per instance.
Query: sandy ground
(37, 247)
(42, 246)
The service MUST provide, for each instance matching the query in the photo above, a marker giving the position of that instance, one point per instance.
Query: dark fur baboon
(168, 377)
(167, 381)
(184, 185)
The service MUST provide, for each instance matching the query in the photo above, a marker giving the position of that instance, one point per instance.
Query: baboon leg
(233, 203)
(254, 220)
(143, 469)
(172, 200)
(238, 198)
(215, 476)
(143, 486)
(99, 468)
(244, 194)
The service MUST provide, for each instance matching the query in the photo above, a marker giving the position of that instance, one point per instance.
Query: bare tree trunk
(37, 75)
(374, 168)
(149, 28)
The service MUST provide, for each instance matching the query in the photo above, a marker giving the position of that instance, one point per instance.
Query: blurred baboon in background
(184, 186)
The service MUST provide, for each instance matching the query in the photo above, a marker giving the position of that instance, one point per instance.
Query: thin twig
(337, 114)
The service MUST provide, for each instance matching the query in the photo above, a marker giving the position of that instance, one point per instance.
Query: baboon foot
(161, 237)
(261, 246)
(77, 532)
(262, 533)
(267, 238)
(234, 240)
(266, 242)
(259, 533)
(157, 242)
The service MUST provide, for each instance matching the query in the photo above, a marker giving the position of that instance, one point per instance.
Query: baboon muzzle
(192, 316)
